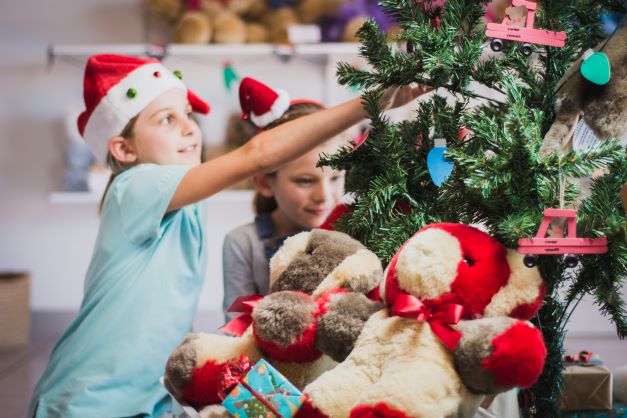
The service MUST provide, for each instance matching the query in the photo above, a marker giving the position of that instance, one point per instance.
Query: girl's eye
(190, 115)
(304, 182)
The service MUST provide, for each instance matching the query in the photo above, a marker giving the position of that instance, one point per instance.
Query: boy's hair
(263, 204)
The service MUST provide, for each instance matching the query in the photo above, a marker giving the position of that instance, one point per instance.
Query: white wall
(54, 241)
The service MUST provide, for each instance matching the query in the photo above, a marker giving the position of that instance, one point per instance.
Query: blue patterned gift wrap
(619, 410)
(269, 384)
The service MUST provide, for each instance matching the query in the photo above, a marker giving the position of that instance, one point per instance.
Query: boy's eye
(190, 115)
(336, 177)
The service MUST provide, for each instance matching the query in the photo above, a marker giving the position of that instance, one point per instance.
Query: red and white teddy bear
(411, 361)
(316, 308)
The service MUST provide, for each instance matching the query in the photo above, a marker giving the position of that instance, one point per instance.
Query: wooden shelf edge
(325, 48)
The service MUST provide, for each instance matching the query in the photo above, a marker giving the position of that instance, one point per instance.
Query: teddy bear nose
(469, 261)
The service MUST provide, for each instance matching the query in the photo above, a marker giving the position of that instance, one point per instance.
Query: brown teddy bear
(603, 108)
(414, 359)
(316, 308)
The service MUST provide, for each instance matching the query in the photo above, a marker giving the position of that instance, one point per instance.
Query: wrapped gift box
(618, 411)
(261, 390)
(587, 388)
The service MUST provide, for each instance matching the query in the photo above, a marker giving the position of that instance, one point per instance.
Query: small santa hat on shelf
(116, 88)
(263, 105)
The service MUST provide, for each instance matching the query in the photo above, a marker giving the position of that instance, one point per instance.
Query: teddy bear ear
(291, 248)
(317, 261)
(360, 272)
(427, 263)
(522, 296)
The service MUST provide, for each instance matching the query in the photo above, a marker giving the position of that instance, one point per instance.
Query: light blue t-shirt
(141, 291)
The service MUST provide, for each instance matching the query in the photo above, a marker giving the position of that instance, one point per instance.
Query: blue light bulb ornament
(439, 167)
(595, 67)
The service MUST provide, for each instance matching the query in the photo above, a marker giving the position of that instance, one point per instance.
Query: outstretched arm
(270, 149)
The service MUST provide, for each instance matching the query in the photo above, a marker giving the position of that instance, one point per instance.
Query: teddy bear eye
(469, 261)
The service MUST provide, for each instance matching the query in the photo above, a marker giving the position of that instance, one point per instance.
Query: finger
(392, 99)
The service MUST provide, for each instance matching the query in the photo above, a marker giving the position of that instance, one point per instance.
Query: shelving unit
(323, 54)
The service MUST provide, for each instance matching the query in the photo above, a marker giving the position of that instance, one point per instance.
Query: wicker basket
(14, 309)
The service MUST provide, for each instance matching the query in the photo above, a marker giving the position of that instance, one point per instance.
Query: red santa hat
(263, 105)
(116, 88)
(260, 103)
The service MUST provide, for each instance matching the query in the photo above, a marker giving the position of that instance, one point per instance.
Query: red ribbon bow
(231, 374)
(440, 317)
(239, 324)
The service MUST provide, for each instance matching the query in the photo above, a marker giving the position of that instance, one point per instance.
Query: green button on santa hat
(116, 88)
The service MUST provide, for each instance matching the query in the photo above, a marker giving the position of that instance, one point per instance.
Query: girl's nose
(322, 192)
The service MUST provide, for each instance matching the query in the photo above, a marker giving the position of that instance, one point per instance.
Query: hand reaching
(394, 97)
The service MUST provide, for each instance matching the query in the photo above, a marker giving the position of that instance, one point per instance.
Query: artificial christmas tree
(498, 178)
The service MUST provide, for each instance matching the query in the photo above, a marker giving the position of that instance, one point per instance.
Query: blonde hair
(116, 166)
(263, 204)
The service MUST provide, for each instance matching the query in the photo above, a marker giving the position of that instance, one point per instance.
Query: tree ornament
(178, 74)
(516, 26)
(464, 134)
(595, 67)
(557, 243)
(439, 167)
(229, 75)
(360, 140)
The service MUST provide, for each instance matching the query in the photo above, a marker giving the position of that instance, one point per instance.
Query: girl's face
(166, 133)
(305, 194)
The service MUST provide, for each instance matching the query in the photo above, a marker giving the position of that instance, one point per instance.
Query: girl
(298, 196)
(148, 264)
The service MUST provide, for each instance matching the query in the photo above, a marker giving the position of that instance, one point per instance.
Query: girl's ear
(263, 185)
(121, 150)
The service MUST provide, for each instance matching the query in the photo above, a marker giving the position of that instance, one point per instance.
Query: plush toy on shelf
(454, 329)
(316, 308)
(260, 21)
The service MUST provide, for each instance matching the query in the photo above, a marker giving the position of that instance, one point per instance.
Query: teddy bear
(603, 108)
(453, 330)
(317, 305)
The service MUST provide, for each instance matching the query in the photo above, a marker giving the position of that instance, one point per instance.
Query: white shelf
(70, 198)
(325, 48)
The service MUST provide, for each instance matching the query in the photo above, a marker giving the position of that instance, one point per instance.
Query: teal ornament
(596, 67)
(439, 167)
(131, 93)
(230, 76)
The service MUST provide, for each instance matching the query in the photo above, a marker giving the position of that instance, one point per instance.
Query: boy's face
(166, 133)
(306, 194)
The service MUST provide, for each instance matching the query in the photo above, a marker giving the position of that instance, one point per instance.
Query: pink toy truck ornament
(520, 29)
(570, 245)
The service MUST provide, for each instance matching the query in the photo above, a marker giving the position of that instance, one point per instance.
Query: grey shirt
(246, 255)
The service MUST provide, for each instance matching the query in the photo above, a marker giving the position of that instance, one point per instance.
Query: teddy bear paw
(378, 410)
(308, 410)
